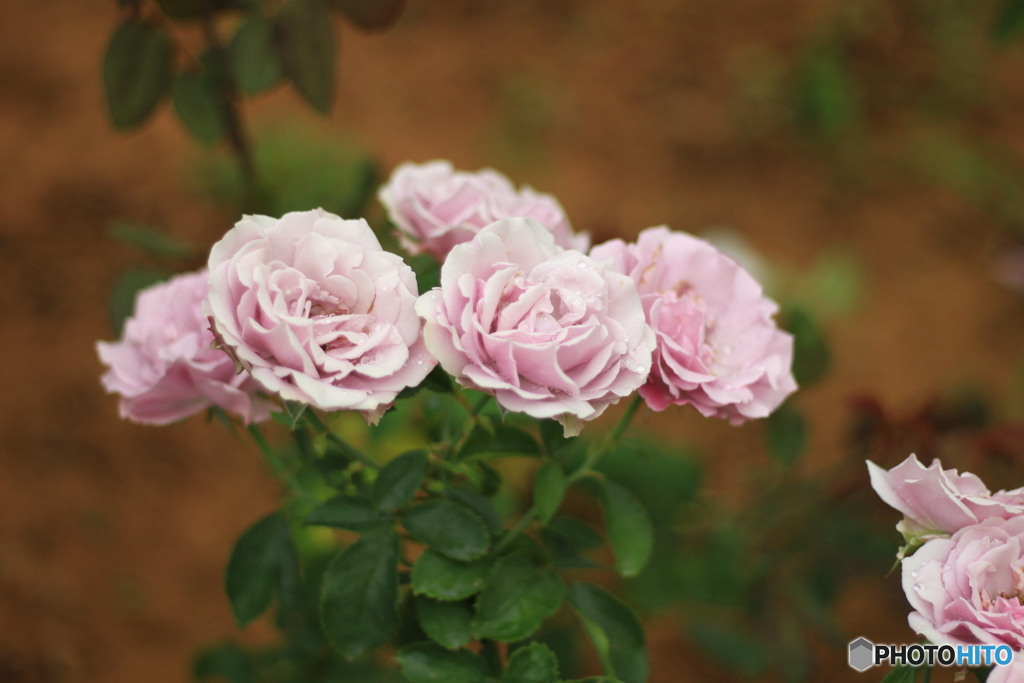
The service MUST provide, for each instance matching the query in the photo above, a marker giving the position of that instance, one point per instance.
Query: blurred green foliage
(298, 170)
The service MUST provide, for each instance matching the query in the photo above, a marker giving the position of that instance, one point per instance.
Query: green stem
(276, 466)
(584, 470)
(519, 528)
(228, 95)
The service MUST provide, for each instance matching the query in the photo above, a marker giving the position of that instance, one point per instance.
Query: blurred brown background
(113, 537)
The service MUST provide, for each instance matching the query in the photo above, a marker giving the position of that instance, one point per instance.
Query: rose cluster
(966, 580)
(310, 308)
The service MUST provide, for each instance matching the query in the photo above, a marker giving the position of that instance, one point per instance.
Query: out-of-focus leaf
(308, 50)
(1009, 21)
(629, 528)
(150, 240)
(226, 661)
(359, 595)
(826, 99)
(197, 103)
(663, 479)
(127, 287)
(787, 434)
(136, 72)
(428, 272)
(399, 480)
(431, 663)
(901, 674)
(811, 356)
(730, 646)
(449, 527)
(548, 490)
(534, 663)
(443, 578)
(255, 61)
(193, 9)
(446, 623)
(299, 170)
(371, 15)
(614, 629)
(579, 534)
(254, 571)
(518, 597)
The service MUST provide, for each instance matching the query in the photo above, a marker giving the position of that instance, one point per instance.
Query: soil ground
(113, 537)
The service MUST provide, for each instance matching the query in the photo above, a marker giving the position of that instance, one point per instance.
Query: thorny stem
(228, 96)
(593, 455)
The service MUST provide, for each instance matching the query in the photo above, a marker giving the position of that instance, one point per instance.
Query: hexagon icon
(862, 654)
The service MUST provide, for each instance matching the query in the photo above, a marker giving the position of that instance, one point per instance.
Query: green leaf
(446, 579)
(518, 597)
(354, 513)
(399, 480)
(535, 663)
(430, 663)
(448, 527)
(811, 356)
(370, 15)
(479, 504)
(126, 289)
(254, 570)
(901, 674)
(629, 528)
(428, 273)
(506, 440)
(1009, 20)
(150, 240)
(447, 623)
(226, 661)
(548, 490)
(580, 534)
(307, 50)
(437, 381)
(787, 435)
(255, 61)
(136, 72)
(198, 104)
(359, 598)
(614, 629)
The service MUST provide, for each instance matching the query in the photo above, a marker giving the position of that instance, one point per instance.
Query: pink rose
(967, 589)
(549, 332)
(1011, 673)
(935, 500)
(718, 347)
(164, 366)
(436, 207)
(317, 311)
